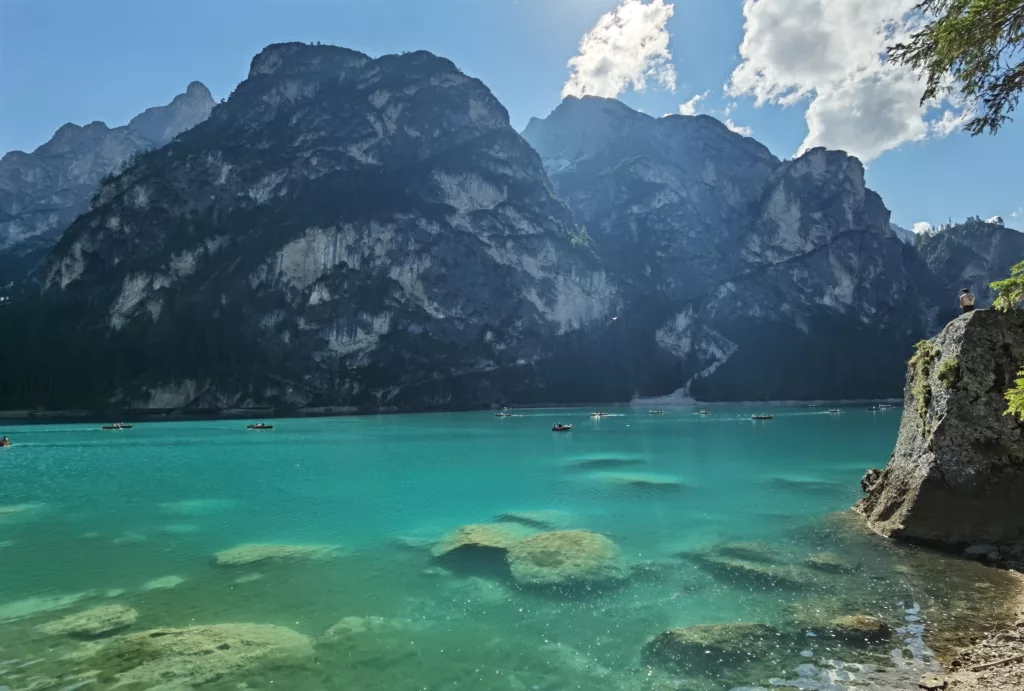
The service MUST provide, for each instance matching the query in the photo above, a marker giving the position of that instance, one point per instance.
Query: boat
(599, 414)
(4, 443)
(885, 406)
(261, 425)
(117, 425)
(503, 413)
(834, 411)
(874, 407)
(561, 428)
(656, 412)
(760, 417)
(704, 412)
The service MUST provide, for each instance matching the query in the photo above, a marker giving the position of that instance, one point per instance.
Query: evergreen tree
(975, 47)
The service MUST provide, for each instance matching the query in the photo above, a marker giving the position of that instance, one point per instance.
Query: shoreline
(182, 415)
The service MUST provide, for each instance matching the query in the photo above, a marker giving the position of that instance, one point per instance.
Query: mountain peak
(299, 57)
(161, 124)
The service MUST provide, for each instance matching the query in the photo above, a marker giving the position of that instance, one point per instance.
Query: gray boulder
(957, 474)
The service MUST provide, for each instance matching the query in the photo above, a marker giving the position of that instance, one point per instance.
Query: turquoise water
(134, 517)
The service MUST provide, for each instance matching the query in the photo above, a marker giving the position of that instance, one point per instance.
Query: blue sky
(80, 61)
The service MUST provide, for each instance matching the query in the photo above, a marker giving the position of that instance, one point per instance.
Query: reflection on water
(314, 556)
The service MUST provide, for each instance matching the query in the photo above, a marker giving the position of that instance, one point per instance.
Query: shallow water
(97, 517)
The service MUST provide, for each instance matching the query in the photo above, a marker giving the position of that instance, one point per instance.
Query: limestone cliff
(343, 231)
(957, 474)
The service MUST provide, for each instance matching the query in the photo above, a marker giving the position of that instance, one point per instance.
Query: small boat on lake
(561, 428)
(704, 412)
(504, 412)
(5, 443)
(260, 425)
(874, 407)
(117, 425)
(600, 414)
(656, 412)
(834, 411)
(760, 417)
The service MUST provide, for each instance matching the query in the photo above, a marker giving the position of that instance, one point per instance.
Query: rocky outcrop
(42, 192)
(957, 474)
(341, 231)
(742, 274)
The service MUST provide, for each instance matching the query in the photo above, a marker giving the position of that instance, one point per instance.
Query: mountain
(341, 231)
(904, 234)
(745, 276)
(42, 192)
(971, 255)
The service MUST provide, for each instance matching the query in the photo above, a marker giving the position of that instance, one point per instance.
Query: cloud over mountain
(626, 48)
(832, 53)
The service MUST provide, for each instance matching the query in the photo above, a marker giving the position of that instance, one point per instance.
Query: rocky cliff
(42, 192)
(746, 277)
(342, 231)
(957, 474)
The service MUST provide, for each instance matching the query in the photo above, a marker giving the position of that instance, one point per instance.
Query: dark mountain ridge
(371, 233)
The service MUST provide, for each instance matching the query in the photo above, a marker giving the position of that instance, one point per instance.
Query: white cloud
(690, 107)
(996, 220)
(626, 48)
(831, 53)
(739, 129)
(923, 228)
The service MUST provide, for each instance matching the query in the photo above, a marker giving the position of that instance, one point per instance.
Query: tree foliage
(1010, 296)
(976, 47)
(1010, 291)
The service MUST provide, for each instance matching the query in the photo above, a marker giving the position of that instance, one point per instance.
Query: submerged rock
(607, 463)
(710, 646)
(163, 583)
(643, 481)
(166, 659)
(861, 628)
(92, 623)
(567, 558)
(753, 573)
(481, 537)
(751, 551)
(19, 509)
(256, 553)
(957, 476)
(830, 562)
(541, 520)
(19, 609)
(370, 640)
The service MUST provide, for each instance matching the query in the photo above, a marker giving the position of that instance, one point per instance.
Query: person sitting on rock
(967, 301)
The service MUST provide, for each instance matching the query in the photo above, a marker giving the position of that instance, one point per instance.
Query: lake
(719, 519)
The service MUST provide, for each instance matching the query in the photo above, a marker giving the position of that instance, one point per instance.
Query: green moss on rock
(921, 363)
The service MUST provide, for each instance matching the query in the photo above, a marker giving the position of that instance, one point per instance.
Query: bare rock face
(957, 474)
